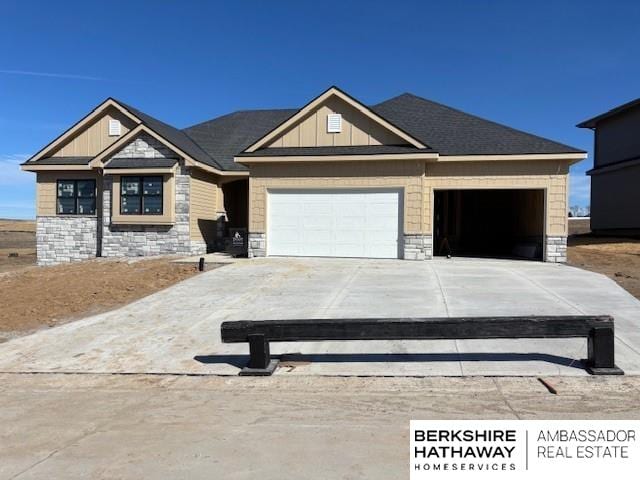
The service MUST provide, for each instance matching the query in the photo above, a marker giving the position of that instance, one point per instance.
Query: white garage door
(334, 223)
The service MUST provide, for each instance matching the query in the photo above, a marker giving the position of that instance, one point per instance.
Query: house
(616, 171)
(406, 178)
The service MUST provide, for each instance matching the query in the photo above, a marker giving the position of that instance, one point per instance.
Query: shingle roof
(141, 163)
(444, 129)
(453, 132)
(225, 137)
(591, 123)
(355, 150)
(175, 136)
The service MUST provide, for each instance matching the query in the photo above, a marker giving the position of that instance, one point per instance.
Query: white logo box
(524, 448)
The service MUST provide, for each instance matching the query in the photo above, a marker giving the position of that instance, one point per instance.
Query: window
(141, 195)
(76, 197)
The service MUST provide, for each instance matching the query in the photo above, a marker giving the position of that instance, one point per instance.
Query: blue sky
(538, 66)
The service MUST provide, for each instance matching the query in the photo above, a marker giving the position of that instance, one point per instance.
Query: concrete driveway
(178, 330)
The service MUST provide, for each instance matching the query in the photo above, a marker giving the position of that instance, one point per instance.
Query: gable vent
(114, 127)
(334, 123)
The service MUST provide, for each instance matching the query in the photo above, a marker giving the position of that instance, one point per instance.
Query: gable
(357, 129)
(144, 146)
(313, 131)
(94, 137)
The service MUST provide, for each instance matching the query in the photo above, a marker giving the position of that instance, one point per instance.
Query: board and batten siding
(357, 129)
(95, 137)
(46, 186)
(204, 208)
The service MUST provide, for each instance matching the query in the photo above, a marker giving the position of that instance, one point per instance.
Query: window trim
(76, 197)
(141, 194)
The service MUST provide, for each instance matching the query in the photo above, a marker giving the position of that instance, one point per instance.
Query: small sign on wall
(237, 242)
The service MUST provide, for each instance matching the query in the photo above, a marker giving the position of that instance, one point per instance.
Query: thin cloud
(53, 75)
(10, 173)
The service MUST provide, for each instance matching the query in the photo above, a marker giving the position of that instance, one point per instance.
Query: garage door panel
(343, 223)
(315, 221)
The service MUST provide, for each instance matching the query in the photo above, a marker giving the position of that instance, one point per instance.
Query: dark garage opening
(489, 223)
(236, 203)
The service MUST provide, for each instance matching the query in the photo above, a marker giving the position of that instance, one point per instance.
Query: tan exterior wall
(46, 185)
(95, 137)
(552, 176)
(357, 129)
(549, 175)
(390, 174)
(203, 207)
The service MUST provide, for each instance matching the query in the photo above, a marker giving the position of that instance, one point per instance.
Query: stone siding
(65, 239)
(147, 240)
(145, 146)
(417, 247)
(257, 245)
(556, 249)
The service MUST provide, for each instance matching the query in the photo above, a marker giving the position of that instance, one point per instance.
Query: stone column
(555, 249)
(257, 245)
(417, 247)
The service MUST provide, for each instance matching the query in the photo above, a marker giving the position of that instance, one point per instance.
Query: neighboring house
(406, 178)
(615, 176)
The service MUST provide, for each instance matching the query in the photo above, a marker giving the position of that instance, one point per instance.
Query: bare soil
(579, 225)
(17, 244)
(34, 297)
(618, 258)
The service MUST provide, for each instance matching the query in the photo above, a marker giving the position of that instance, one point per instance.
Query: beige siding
(357, 129)
(46, 185)
(203, 207)
(406, 175)
(549, 175)
(552, 176)
(94, 138)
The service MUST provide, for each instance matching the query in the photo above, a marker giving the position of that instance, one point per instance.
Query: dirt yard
(33, 297)
(36, 297)
(618, 258)
(17, 244)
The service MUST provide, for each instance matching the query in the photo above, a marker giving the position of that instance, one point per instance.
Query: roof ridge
(235, 112)
(457, 110)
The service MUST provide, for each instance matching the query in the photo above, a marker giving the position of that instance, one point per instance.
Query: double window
(141, 195)
(76, 197)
